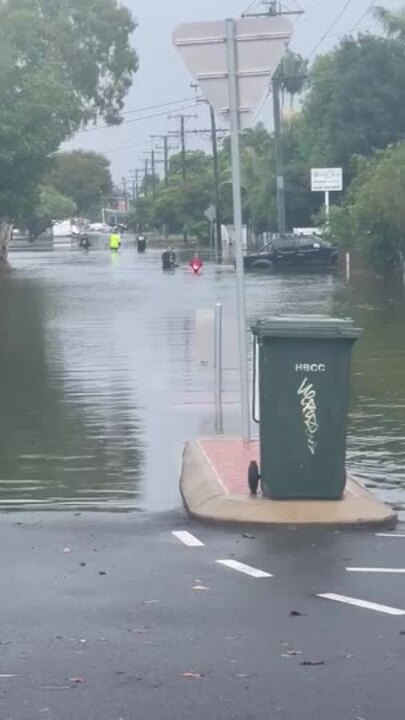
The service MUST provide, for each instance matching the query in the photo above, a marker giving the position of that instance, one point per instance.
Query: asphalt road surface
(135, 617)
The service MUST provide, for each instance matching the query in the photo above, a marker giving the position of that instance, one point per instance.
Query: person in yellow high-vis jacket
(115, 240)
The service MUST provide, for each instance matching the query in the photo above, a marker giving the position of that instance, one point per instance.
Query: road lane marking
(390, 535)
(187, 538)
(362, 604)
(395, 571)
(246, 569)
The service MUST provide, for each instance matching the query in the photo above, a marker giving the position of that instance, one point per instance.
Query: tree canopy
(51, 206)
(63, 63)
(356, 100)
(372, 216)
(85, 177)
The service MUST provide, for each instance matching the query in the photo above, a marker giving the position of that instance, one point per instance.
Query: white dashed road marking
(187, 538)
(362, 604)
(246, 569)
(394, 571)
(390, 535)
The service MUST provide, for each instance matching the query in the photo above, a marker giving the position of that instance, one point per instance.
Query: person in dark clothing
(84, 242)
(141, 243)
(169, 260)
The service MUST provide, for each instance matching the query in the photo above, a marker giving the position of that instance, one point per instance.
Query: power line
(370, 7)
(156, 107)
(330, 28)
(139, 119)
(250, 6)
(126, 147)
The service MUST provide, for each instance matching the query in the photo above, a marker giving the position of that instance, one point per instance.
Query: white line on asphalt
(246, 569)
(394, 571)
(362, 604)
(390, 535)
(187, 538)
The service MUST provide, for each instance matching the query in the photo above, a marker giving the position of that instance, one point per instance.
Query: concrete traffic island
(214, 487)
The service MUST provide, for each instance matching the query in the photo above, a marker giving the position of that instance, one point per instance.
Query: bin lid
(314, 326)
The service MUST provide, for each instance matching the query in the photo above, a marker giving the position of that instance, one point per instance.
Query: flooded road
(100, 383)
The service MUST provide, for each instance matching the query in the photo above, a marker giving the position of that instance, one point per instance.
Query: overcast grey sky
(162, 77)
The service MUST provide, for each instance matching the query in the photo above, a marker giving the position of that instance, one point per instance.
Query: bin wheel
(253, 477)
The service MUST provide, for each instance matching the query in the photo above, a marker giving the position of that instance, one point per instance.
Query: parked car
(295, 252)
(99, 227)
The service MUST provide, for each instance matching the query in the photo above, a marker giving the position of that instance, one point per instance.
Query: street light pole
(237, 212)
(218, 220)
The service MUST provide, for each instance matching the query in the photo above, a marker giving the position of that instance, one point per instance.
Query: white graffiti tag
(307, 395)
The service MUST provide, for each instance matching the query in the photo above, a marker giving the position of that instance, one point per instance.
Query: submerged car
(295, 252)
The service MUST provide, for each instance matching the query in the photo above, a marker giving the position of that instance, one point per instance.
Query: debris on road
(67, 550)
(192, 675)
(199, 587)
(82, 564)
(312, 663)
(102, 572)
(296, 613)
(76, 680)
(248, 536)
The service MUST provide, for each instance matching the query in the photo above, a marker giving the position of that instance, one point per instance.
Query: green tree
(356, 100)
(84, 177)
(62, 64)
(50, 207)
(372, 216)
(178, 205)
(393, 22)
(293, 73)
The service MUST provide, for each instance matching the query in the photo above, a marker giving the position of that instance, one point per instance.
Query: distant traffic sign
(260, 43)
(326, 180)
(211, 213)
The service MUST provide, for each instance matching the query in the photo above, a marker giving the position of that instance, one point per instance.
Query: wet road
(101, 384)
(165, 631)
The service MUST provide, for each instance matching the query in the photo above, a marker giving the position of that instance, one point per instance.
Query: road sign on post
(326, 180)
(211, 213)
(234, 61)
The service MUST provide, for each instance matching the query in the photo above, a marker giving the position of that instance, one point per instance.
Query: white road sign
(261, 43)
(326, 179)
(211, 213)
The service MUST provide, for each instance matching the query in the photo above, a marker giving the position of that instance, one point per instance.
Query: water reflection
(100, 385)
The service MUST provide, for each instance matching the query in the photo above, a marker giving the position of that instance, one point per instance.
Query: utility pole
(218, 220)
(183, 157)
(217, 196)
(278, 142)
(183, 147)
(146, 177)
(274, 8)
(182, 133)
(124, 184)
(166, 152)
(165, 149)
(153, 174)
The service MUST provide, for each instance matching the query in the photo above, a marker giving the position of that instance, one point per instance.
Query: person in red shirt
(196, 264)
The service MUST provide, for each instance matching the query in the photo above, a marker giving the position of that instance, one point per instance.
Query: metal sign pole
(327, 203)
(218, 369)
(237, 214)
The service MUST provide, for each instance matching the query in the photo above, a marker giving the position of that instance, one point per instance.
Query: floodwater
(101, 384)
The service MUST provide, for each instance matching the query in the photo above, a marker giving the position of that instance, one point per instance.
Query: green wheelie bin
(304, 387)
